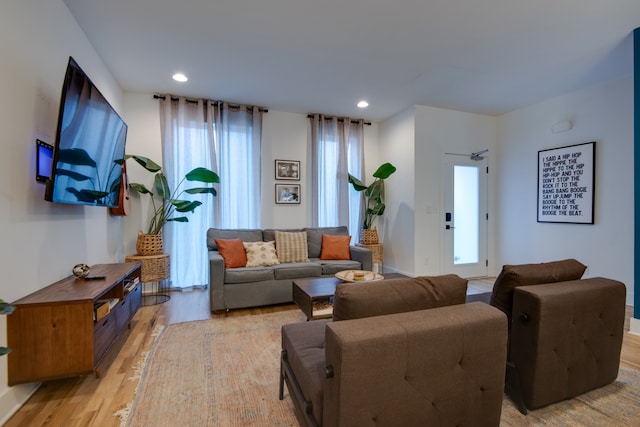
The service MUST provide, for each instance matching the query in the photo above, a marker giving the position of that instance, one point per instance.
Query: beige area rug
(617, 404)
(218, 372)
(224, 372)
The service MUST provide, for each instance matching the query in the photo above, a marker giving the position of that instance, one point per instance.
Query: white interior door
(466, 216)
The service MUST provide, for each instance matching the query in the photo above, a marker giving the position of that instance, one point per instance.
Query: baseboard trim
(634, 326)
(393, 270)
(13, 398)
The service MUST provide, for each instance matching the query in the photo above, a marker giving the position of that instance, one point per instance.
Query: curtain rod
(195, 101)
(339, 119)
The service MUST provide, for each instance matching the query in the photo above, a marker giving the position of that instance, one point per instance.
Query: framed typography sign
(566, 181)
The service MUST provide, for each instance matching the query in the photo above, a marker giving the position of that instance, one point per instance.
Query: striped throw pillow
(292, 246)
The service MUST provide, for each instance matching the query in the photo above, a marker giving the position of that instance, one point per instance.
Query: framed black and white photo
(566, 183)
(288, 169)
(288, 193)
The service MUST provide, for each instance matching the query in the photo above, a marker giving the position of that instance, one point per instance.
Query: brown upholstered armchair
(398, 353)
(565, 333)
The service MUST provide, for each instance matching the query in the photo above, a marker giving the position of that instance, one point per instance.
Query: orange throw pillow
(335, 247)
(232, 251)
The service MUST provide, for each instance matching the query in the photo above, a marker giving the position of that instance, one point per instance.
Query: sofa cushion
(513, 276)
(233, 253)
(260, 253)
(304, 346)
(246, 235)
(269, 234)
(331, 267)
(291, 246)
(314, 237)
(357, 300)
(335, 247)
(248, 274)
(297, 270)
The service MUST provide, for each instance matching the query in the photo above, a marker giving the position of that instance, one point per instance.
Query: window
(337, 146)
(227, 140)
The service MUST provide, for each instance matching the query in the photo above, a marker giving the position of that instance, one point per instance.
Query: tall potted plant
(374, 200)
(166, 202)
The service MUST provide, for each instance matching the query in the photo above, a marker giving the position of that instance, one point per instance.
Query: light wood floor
(88, 401)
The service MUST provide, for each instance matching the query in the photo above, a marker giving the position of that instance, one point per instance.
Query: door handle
(448, 227)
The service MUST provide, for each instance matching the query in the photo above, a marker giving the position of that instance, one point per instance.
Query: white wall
(396, 226)
(603, 114)
(285, 137)
(415, 140)
(440, 131)
(41, 241)
(142, 115)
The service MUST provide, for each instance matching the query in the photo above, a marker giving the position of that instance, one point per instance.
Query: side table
(377, 252)
(155, 270)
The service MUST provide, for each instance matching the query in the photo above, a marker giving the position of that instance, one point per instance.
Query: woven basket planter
(154, 267)
(149, 244)
(369, 236)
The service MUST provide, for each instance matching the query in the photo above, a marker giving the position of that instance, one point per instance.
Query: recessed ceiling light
(179, 77)
(363, 104)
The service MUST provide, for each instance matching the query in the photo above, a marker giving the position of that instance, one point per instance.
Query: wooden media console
(62, 330)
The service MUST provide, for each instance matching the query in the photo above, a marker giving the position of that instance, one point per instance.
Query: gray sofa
(258, 286)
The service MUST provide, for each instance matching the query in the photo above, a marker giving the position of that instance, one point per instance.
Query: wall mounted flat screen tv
(89, 146)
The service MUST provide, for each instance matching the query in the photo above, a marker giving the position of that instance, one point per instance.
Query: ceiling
(489, 56)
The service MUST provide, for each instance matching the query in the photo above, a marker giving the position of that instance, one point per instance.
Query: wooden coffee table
(309, 293)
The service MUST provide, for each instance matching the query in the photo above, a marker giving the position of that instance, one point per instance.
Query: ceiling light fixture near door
(179, 77)
(477, 156)
(363, 104)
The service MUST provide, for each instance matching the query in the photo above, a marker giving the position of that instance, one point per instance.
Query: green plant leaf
(185, 206)
(179, 203)
(145, 162)
(202, 175)
(162, 186)
(374, 193)
(6, 308)
(4, 350)
(76, 156)
(375, 190)
(201, 190)
(384, 171)
(169, 203)
(179, 219)
(378, 209)
(139, 188)
(357, 184)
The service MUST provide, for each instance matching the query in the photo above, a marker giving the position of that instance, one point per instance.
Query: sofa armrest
(363, 255)
(216, 281)
(442, 366)
(566, 337)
